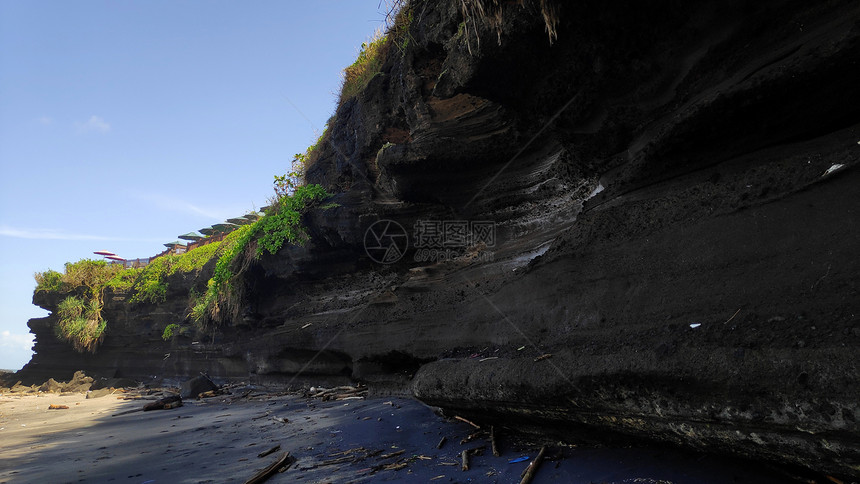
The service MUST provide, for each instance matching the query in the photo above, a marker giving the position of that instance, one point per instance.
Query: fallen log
(57, 407)
(285, 461)
(165, 403)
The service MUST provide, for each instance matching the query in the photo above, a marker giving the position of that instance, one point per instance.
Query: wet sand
(215, 440)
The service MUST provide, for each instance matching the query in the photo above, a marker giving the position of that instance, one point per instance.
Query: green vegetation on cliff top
(79, 314)
(366, 66)
(84, 282)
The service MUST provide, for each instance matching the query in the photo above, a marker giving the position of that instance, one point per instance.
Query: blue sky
(125, 124)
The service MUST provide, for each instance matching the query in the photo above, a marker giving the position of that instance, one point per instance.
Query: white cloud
(15, 349)
(16, 341)
(47, 234)
(173, 204)
(93, 125)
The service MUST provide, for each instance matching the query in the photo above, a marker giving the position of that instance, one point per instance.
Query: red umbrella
(115, 257)
(103, 252)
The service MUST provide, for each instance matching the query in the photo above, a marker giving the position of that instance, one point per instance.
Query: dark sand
(215, 440)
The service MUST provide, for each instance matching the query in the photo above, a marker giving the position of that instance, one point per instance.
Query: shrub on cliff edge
(80, 323)
(49, 281)
(366, 66)
(282, 223)
(79, 315)
(93, 275)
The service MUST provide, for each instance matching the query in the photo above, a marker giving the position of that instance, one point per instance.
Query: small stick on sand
(284, 461)
(393, 454)
(733, 316)
(441, 442)
(270, 451)
(531, 470)
(471, 437)
(493, 441)
(473, 424)
(464, 456)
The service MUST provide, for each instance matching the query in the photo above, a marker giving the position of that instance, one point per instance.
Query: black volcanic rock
(195, 386)
(673, 187)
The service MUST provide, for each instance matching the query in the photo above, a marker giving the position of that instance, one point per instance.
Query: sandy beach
(375, 440)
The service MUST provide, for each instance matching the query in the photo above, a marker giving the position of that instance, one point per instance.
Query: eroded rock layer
(674, 192)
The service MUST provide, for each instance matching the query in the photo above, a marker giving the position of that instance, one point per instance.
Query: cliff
(670, 191)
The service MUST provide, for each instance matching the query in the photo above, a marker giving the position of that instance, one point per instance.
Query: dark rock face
(133, 348)
(195, 386)
(664, 228)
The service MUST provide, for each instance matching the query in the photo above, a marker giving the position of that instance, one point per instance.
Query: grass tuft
(366, 66)
(80, 323)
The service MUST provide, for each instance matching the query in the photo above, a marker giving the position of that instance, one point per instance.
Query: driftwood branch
(531, 470)
(441, 442)
(393, 454)
(339, 393)
(493, 441)
(473, 424)
(270, 451)
(472, 437)
(285, 461)
(165, 403)
(465, 455)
